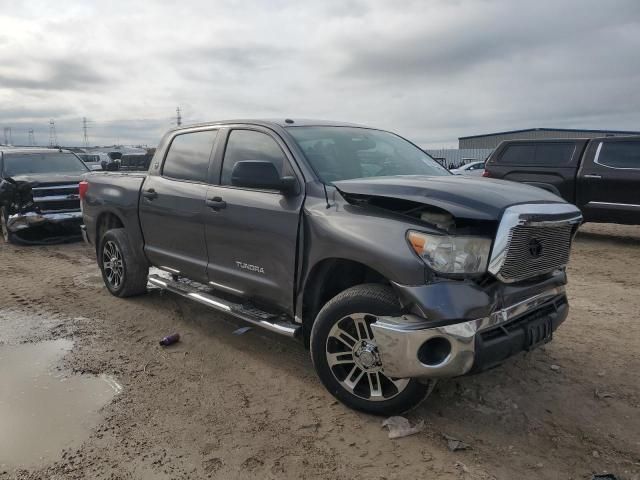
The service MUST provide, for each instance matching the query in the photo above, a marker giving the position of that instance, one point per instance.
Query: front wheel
(7, 236)
(123, 272)
(346, 358)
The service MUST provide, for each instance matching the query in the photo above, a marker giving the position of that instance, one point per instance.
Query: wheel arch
(106, 221)
(328, 278)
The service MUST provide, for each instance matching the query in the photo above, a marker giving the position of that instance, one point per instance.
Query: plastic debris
(400, 427)
(454, 444)
(170, 339)
(555, 368)
(605, 476)
(600, 394)
(241, 331)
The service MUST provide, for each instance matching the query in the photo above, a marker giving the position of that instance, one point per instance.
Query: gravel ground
(219, 405)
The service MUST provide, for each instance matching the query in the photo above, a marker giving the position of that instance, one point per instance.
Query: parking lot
(220, 405)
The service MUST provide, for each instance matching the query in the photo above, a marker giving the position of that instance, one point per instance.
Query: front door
(252, 234)
(172, 206)
(608, 181)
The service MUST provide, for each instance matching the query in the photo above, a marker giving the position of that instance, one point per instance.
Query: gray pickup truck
(393, 271)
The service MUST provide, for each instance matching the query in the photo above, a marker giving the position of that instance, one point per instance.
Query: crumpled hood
(462, 196)
(45, 179)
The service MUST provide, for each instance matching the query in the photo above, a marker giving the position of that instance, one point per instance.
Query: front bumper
(22, 221)
(473, 345)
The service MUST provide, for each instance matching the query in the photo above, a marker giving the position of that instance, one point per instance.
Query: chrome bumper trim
(400, 338)
(20, 221)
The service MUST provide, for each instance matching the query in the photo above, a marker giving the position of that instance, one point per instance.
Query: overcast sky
(430, 70)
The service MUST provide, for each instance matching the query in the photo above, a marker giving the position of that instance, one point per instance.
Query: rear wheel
(123, 272)
(7, 236)
(346, 358)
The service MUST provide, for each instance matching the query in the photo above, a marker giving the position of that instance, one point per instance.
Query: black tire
(7, 236)
(372, 300)
(132, 279)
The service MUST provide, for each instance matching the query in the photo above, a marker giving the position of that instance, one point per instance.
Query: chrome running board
(250, 314)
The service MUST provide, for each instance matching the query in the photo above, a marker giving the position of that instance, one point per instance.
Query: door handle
(590, 175)
(150, 194)
(216, 203)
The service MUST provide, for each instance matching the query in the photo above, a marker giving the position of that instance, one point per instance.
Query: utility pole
(7, 136)
(178, 116)
(32, 138)
(53, 137)
(85, 137)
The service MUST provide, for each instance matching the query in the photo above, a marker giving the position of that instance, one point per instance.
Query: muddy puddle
(44, 409)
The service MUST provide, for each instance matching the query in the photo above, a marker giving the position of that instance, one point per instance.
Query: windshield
(54, 162)
(343, 153)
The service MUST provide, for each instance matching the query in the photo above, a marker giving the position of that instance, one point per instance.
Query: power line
(53, 137)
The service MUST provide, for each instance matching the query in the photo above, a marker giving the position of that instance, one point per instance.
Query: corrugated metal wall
(454, 158)
(492, 141)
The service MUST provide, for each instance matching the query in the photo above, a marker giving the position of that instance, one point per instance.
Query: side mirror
(261, 174)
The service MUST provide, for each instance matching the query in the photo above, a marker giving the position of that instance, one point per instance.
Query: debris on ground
(454, 444)
(601, 395)
(605, 476)
(555, 368)
(170, 339)
(400, 427)
(241, 331)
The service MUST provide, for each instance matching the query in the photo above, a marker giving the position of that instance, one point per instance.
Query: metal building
(492, 140)
(454, 158)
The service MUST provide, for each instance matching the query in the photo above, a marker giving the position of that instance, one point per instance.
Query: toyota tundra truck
(392, 271)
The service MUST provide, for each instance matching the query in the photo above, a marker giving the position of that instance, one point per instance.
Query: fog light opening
(434, 351)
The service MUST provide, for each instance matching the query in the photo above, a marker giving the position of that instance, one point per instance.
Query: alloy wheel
(354, 360)
(113, 264)
(3, 224)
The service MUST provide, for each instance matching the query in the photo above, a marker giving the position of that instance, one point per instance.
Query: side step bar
(247, 313)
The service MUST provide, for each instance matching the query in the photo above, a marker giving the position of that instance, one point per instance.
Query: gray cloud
(65, 74)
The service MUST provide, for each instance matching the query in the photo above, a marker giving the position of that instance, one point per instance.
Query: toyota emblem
(535, 247)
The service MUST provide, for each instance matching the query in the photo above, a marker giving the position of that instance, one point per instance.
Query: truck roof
(271, 122)
(10, 149)
(572, 139)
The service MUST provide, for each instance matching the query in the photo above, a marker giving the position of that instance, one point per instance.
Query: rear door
(252, 239)
(172, 205)
(551, 164)
(609, 181)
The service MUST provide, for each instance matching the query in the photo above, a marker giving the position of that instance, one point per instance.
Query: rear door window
(620, 154)
(188, 156)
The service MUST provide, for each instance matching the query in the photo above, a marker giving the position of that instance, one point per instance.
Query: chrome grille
(533, 240)
(57, 197)
(534, 251)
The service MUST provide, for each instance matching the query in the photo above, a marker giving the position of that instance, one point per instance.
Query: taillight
(486, 173)
(83, 186)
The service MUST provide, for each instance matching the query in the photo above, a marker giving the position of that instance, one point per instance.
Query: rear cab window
(189, 155)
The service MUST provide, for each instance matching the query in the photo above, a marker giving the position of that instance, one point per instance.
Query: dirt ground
(219, 405)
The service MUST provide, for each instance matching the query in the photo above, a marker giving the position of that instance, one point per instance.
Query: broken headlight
(451, 254)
